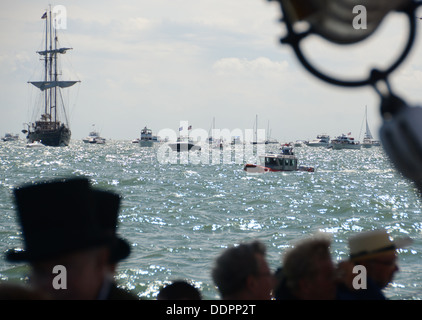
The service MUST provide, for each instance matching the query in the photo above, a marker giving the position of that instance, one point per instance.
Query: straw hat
(367, 244)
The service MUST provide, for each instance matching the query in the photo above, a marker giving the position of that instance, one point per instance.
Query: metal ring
(294, 39)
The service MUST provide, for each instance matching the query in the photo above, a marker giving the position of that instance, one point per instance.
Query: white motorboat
(322, 140)
(299, 143)
(98, 140)
(345, 142)
(94, 137)
(35, 144)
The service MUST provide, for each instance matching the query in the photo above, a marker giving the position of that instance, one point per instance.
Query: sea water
(179, 216)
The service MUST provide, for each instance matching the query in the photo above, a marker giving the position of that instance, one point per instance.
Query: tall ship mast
(49, 129)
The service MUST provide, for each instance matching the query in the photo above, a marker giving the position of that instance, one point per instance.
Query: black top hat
(58, 217)
(107, 212)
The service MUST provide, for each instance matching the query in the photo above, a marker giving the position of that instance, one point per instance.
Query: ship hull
(54, 138)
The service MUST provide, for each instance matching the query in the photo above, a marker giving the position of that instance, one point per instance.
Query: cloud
(261, 66)
(192, 60)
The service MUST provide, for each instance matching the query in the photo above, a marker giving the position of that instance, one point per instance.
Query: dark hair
(234, 266)
(179, 290)
(299, 262)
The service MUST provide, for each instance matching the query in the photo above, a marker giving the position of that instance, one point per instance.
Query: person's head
(309, 271)
(179, 290)
(68, 236)
(377, 253)
(242, 272)
(77, 275)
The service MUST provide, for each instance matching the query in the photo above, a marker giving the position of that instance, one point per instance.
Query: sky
(156, 63)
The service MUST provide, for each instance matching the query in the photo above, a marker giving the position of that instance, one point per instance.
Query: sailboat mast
(46, 63)
(55, 73)
(50, 65)
(256, 129)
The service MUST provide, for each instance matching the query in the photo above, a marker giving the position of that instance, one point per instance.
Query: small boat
(94, 137)
(146, 140)
(236, 141)
(345, 142)
(184, 145)
(35, 144)
(284, 161)
(98, 140)
(184, 142)
(322, 140)
(10, 137)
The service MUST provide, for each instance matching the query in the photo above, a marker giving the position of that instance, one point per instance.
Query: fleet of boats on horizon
(52, 128)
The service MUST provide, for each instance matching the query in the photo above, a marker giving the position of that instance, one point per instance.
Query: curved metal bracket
(294, 39)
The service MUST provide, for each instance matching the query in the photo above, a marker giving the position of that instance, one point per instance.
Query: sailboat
(270, 140)
(256, 133)
(368, 139)
(49, 129)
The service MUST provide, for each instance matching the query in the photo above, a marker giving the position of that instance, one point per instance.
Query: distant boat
(271, 162)
(183, 144)
(49, 129)
(368, 139)
(98, 140)
(322, 140)
(345, 142)
(236, 141)
(35, 144)
(94, 137)
(147, 139)
(10, 137)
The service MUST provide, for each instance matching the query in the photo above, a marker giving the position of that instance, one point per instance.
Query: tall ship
(51, 128)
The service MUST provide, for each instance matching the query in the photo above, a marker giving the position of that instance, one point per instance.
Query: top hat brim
(20, 255)
(120, 250)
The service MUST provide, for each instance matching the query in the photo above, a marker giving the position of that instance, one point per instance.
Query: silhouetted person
(71, 252)
(376, 253)
(179, 290)
(242, 273)
(307, 271)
